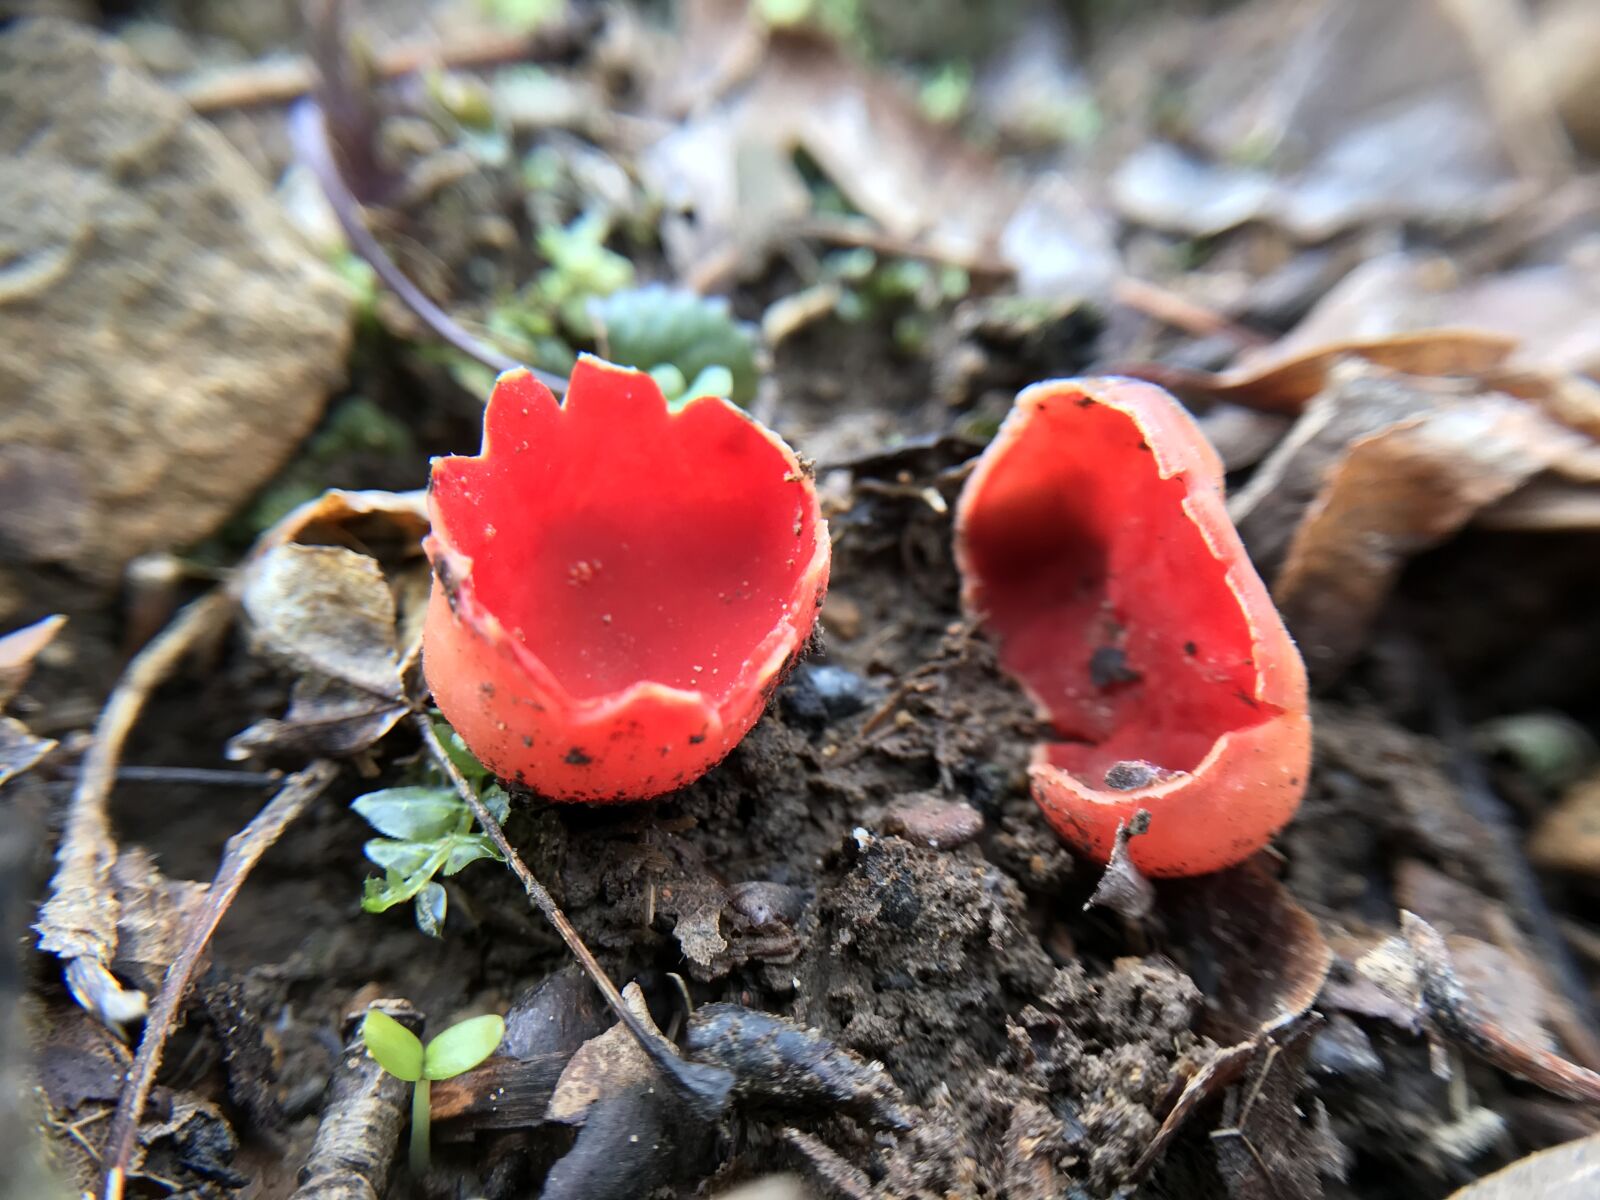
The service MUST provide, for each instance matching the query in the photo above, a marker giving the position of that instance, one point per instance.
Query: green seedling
(401, 1053)
(692, 344)
(428, 831)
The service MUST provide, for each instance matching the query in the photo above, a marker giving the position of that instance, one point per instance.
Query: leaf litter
(875, 963)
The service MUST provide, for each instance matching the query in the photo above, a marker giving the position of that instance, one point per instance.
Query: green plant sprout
(428, 831)
(401, 1053)
(691, 344)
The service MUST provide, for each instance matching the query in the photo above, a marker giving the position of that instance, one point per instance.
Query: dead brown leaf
(696, 906)
(372, 521)
(1368, 112)
(1418, 968)
(1495, 961)
(1567, 837)
(153, 912)
(1546, 504)
(1567, 1172)
(325, 716)
(1395, 493)
(1545, 311)
(1265, 955)
(1285, 378)
(19, 750)
(1265, 960)
(604, 1066)
(1269, 1146)
(1527, 331)
(328, 611)
(921, 183)
(19, 648)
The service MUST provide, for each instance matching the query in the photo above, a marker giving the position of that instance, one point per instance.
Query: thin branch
(244, 850)
(281, 81)
(1513, 874)
(308, 132)
(354, 1149)
(703, 1086)
(79, 921)
(1453, 1014)
(1164, 305)
(192, 777)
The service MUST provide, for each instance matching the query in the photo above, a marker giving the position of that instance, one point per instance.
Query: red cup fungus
(618, 588)
(1093, 541)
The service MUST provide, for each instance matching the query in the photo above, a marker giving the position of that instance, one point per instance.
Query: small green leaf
(712, 381)
(395, 1048)
(431, 905)
(380, 895)
(463, 1046)
(403, 858)
(465, 760)
(467, 848)
(497, 801)
(412, 814)
(654, 326)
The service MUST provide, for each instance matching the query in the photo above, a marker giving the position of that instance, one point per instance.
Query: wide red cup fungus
(617, 588)
(1093, 541)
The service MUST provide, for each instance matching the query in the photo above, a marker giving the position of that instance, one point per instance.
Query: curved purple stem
(308, 133)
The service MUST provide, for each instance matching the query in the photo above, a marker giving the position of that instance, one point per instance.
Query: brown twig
(840, 1176)
(259, 84)
(79, 922)
(704, 1087)
(1453, 1015)
(360, 1127)
(1169, 308)
(244, 850)
(1512, 874)
(309, 133)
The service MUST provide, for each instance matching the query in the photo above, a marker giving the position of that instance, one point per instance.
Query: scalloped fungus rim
(618, 588)
(1093, 541)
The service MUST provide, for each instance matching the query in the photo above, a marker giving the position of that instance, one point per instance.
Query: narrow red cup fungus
(618, 588)
(1093, 541)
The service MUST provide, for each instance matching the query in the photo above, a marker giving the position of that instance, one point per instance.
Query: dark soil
(868, 861)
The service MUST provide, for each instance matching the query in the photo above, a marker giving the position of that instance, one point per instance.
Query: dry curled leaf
(371, 519)
(1269, 1146)
(1567, 837)
(1374, 112)
(1418, 968)
(1285, 378)
(330, 613)
(325, 716)
(1266, 960)
(1265, 954)
(19, 750)
(1547, 505)
(1570, 1171)
(605, 1065)
(1544, 312)
(918, 181)
(153, 912)
(326, 610)
(1397, 492)
(19, 648)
